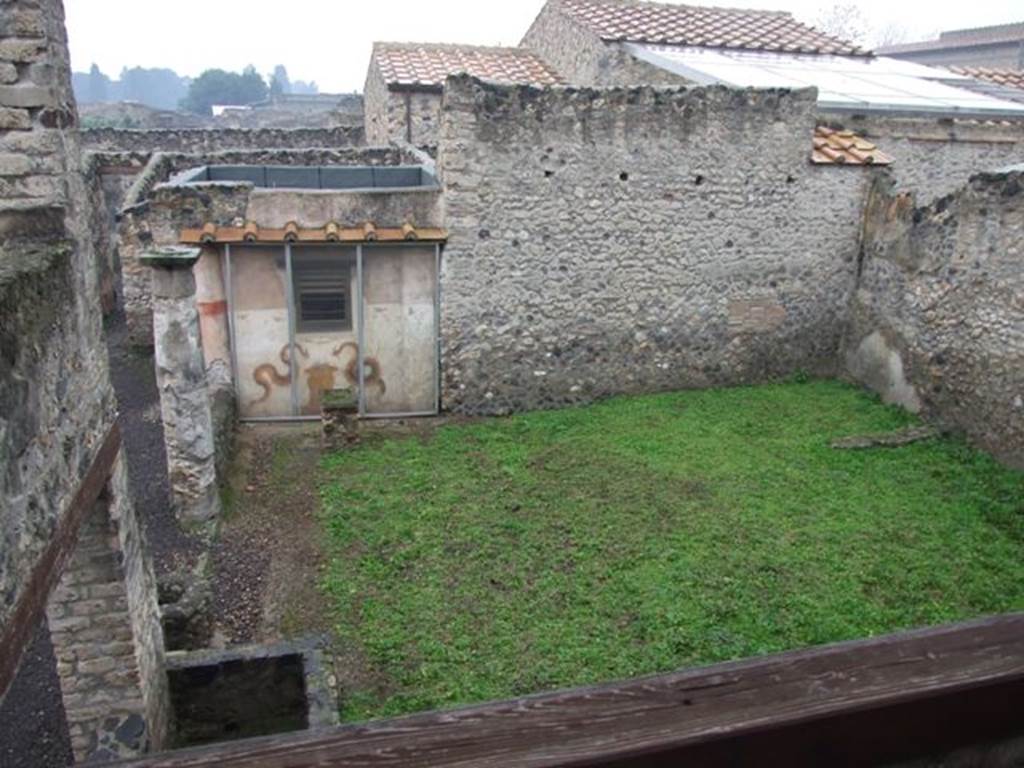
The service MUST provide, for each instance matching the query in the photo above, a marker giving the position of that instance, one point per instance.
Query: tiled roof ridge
(694, 7)
(428, 64)
(708, 26)
(407, 46)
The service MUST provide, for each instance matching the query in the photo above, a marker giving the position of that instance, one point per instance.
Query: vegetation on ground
(642, 534)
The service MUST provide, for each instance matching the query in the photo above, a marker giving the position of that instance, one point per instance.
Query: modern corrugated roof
(706, 26)
(844, 83)
(332, 232)
(838, 147)
(428, 64)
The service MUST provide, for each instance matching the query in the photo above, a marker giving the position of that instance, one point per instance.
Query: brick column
(105, 626)
(181, 378)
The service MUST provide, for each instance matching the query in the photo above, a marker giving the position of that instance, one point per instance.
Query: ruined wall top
(212, 140)
(629, 115)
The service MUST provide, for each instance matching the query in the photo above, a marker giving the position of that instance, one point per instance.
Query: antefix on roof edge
(329, 233)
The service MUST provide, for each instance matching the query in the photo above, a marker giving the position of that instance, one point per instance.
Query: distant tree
(844, 21)
(98, 85)
(301, 86)
(157, 87)
(216, 86)
(279, 82)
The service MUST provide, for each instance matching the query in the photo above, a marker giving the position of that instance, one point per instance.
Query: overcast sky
(329, 40)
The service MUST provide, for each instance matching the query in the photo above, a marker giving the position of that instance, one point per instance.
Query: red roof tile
(832, 147)
(331, 232)
(644, 22)
(1011, 78)
(428, 64)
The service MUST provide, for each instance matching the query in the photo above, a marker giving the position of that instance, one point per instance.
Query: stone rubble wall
(634, 240)
(202, 140)
(56, 400)
(937, 322)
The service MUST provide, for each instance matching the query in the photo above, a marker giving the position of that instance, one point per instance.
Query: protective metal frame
(229, 293)
(360, 335)
(290, 301)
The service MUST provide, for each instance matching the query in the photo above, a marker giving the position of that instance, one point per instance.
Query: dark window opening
(321, 297)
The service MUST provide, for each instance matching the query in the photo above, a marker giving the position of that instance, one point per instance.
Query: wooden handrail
(28, 612)
(857, 703)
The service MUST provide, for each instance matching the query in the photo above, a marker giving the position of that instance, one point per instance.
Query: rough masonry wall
(938, 318)
(582, 58)
(56, 401)
(934, 157)
(193, 140)
(377, 127)
(403, 116)
(632, 240)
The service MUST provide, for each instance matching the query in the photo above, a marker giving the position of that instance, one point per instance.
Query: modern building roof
(844, 83)
(428, 64)
(1011, 78)
(705, 26)
(833, 147)
(963, 38)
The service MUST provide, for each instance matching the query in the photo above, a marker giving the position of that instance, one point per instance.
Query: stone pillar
(181, 378)
(105, 626)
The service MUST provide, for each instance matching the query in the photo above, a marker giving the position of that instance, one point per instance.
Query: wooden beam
(31, 606)
(859, 703)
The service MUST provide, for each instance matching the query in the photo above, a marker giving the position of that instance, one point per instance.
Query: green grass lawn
(644, 534)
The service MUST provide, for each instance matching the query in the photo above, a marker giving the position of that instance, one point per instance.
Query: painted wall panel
(261, 331)
(399, 286)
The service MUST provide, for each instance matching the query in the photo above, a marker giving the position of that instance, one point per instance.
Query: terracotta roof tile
(832, 147)
(428, 64)
(644, 22)
(1011, 78)
(331, 232)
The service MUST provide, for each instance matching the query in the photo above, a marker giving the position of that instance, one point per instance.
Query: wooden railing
(868, 702)
(31, 606)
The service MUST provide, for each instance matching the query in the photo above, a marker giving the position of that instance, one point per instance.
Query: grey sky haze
(329, 40)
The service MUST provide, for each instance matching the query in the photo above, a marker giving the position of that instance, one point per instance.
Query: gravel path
(138, 400)
(33, 729)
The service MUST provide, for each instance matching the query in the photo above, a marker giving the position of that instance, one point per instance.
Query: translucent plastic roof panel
(843, 82)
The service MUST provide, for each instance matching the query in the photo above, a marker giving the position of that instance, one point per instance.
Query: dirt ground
(267, 559)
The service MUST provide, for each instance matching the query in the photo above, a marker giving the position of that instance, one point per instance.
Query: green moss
(644, 534)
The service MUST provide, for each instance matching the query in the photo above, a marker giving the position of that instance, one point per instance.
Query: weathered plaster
(941, 291)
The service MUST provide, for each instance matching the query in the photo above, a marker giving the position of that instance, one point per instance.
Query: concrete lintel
(171, 257)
